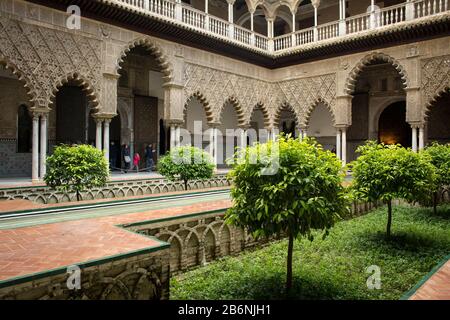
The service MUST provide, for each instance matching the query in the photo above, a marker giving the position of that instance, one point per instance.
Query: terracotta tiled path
(437, 287)
(38, 248)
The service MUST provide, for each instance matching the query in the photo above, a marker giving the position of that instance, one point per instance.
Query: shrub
(440, 159)
(76, 168)
(186, 163)
(305, 193)
(388, 172)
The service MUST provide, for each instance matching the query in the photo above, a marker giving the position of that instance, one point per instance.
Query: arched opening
(259, 21)
(287, 123)
(283, 21)
(227, 130)
(392, 127)
(258, 125)
(15, 126)
(321, 127)
(24, 130)
(378, 85)
(196, 122)
(141, 86)
(74, 124)
(438, 122)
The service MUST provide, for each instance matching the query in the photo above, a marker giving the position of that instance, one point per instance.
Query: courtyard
(225, 150)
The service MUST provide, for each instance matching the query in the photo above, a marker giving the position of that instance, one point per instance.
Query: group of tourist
(129, 163)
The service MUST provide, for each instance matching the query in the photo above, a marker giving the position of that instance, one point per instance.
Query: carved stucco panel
(435, 77)
(48, 57)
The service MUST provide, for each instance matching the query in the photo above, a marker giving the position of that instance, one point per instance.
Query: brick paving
(437, 287)
(38, 248)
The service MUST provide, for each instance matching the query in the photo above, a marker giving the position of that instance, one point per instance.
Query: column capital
(39, 112)
(245, 126)
(174, 122)
(416, 125)
(173, 85)
(231, 2)
(315, 3)
(303, 127)
(214, 125)
(104, 116)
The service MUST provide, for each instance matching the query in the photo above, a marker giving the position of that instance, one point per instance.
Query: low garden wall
(113, 189)
(140, 277)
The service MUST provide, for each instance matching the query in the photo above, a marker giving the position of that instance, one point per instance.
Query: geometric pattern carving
(435, 78)
(216, 88)
(303, 95)
(50, 57)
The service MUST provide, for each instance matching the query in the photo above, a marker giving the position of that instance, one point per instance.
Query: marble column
(106, 138)
(243, 142)
(98, 133)
(43, 145)
(421, 138)
(344, 145)
(338, 143)
(315, 4)
(215, 146)
(35, 150)
(414, 138)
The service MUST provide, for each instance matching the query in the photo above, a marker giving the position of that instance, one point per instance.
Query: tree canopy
(388, 172)
(76, 169)
(303, 194)
(186, 163)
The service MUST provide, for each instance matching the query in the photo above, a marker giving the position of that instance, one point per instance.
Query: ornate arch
(265, 111)
(352, 78)
(87, 87)
(429, 105)
(311, 108)
(281, 108)
(155, 50)
(240, 112)
(21, 76)
(203, 101)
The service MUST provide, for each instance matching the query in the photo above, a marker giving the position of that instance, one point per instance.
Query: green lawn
(334, 268)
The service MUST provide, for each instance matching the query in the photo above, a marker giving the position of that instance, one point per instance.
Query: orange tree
(303, 194)
(76, 169)
(440, 159)
(389, 172)
(186, 163)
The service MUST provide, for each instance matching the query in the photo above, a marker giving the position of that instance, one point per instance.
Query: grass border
(435, 269)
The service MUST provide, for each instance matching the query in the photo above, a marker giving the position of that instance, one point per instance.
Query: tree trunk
(78, 196)
(289, 264)
(185, 185)
(435, 202)
(388, 229)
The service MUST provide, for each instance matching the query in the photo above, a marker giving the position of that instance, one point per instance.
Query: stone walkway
(38, 248)
(437, 287)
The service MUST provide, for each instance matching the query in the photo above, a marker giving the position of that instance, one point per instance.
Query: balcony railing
(199, 20)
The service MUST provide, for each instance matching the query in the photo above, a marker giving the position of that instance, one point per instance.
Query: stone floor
(38, 248)
(437, 287)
